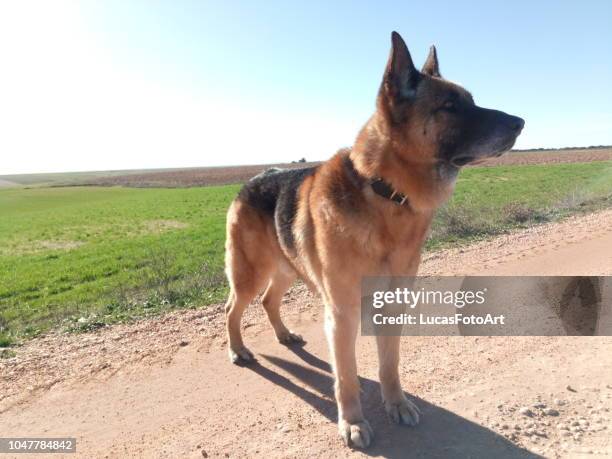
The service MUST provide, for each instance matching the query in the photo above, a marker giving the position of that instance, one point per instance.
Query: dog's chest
(397, 242)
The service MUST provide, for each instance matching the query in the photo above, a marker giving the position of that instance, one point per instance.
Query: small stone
(525, 411)
(551, 412)
(570, 388)
(204, 454)
(183, 343)
(559, 402)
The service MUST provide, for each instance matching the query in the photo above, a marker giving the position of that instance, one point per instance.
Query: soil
(164, 387)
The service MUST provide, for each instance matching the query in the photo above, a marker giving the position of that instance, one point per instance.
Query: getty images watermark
(486, 305)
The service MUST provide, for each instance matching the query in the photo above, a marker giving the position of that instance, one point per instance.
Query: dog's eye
(449, 106)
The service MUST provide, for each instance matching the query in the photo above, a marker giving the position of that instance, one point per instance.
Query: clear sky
(121, 84)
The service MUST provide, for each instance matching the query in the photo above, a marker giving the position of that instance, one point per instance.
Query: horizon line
(302, 160)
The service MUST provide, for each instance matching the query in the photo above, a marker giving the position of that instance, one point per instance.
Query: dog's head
(430, 119)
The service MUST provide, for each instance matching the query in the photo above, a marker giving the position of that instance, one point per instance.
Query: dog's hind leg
(279, 284)
(234, 308)
(250, 261)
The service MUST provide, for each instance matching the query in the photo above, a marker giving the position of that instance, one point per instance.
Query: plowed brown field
(206, 176)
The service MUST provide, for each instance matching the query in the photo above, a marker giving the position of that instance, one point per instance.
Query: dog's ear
(401, 77)
(431, 64)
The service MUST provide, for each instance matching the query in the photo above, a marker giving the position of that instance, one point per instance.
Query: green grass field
(81, 257)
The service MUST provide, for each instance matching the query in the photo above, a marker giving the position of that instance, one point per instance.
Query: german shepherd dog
(364, 212)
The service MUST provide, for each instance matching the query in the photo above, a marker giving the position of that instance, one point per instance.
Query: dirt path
(165, 388)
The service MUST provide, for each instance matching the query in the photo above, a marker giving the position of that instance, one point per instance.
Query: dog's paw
(403, 412)
(289, 337)
(357, 435)
(241, 355)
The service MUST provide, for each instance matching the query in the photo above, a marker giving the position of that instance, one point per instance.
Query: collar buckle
(383, 189)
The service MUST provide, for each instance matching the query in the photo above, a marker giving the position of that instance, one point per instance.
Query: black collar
(385, 190)
(379, 186)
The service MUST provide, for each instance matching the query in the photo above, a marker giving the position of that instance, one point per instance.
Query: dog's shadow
(441, 433)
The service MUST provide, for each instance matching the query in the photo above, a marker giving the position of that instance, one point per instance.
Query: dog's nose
(516, 124)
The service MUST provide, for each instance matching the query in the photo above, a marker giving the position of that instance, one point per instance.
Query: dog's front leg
(341, 324)
(398, 407)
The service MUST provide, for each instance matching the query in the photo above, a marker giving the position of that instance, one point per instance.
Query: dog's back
(274, 194)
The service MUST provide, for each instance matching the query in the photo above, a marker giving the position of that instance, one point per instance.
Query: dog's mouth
(464, 160)
(461, 161)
